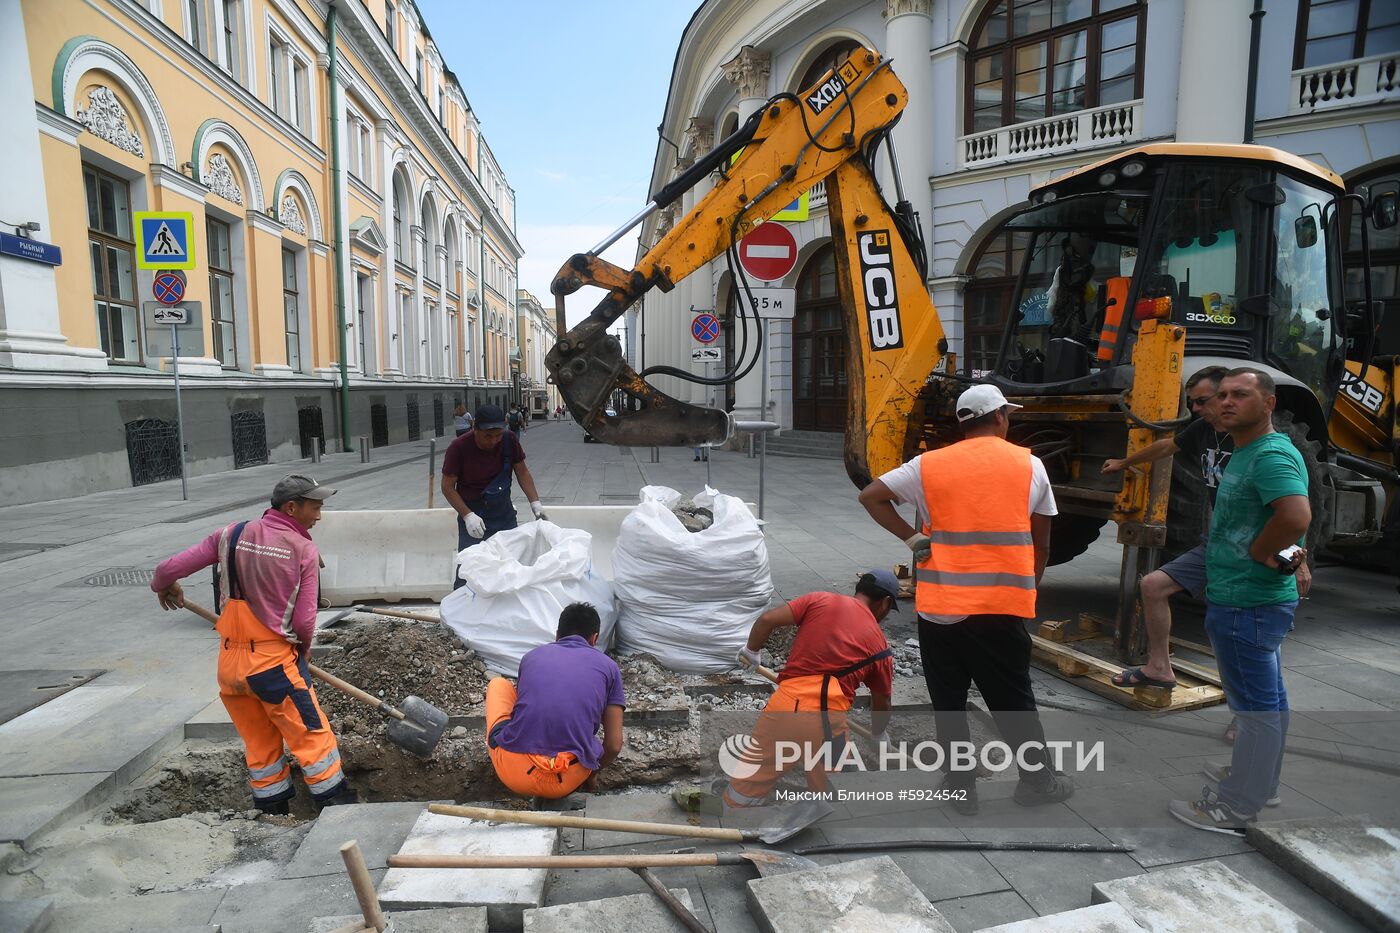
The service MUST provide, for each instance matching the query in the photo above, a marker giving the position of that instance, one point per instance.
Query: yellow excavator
(1137, 272)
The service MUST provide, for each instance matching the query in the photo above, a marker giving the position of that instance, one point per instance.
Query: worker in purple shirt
(542, 736)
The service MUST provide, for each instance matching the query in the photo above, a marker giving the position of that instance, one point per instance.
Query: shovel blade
(773, 862)
(421, 728)
(793, 819)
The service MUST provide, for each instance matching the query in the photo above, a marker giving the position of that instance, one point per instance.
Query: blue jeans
(1248, 650)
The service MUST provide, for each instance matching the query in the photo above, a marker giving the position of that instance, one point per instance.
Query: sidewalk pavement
(1343, 660)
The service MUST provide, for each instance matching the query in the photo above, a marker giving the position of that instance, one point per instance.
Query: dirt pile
(648, 686)
(693, 517)
(392, 658)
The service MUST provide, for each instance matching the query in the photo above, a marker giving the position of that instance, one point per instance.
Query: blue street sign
(33, 250)
(705, 328)
(164, 239)
(168, 288)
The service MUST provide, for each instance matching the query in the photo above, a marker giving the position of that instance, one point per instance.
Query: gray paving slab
(635, 913)
(379, 829)
(1136, 814)
(1099, 918)
(441, 920)
(141, 914)
(506, 893)
(1353, 863)
(967, 914)
(725, 890)
(285, 905)
(1289, 891)
(863, 896)
(645, 807)
(28, 915)
(29, 805)
(1180, 898)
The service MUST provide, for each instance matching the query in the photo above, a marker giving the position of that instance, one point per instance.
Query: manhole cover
(22, 691)
(118, 576)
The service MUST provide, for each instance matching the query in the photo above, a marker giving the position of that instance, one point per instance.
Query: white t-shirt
(907, 484)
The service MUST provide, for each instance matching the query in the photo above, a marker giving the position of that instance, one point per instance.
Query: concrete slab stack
(865, 896)
(1191, 896)
(1353, 863)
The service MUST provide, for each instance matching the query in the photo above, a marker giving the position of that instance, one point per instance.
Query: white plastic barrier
(393, 555)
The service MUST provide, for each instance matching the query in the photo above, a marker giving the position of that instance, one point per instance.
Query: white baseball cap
(980, 400)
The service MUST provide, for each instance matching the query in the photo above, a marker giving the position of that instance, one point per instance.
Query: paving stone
(1352, 862)
(1099, 918)
(441, 920)
(967, 914)
(1180, 898)
(379, 828)
(506, 893)
(1289, 891)
(30, 915)
(635, 913)
(285, 905)
(191, 909)
(212, 722)
(863, 896)
(29, 805)
(646, 808)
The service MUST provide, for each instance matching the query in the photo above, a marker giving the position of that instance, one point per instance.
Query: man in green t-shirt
(1261, 515)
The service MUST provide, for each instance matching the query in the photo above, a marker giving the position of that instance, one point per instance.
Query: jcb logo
(1364, 394)
(830, 89)
(877, 281)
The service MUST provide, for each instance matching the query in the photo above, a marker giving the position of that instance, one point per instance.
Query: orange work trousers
(793, 714)
(268, 695)
(548, 776)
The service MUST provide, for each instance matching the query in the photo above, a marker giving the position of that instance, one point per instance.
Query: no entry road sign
(769, 252)
(705, 328)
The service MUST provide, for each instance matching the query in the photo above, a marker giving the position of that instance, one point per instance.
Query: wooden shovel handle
(642, 860)
(536, 818)
(363, 885)
(400, 614)
(851, 724)
(368, 699)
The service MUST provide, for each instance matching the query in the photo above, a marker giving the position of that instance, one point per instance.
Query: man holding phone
(1261, 515)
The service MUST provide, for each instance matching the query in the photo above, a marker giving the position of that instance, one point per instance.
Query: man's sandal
(1133, 677)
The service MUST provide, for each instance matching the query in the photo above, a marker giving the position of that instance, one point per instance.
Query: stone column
(1214, 71)
(388, 293)
(749, 73)
(908, 34)
(418, 331)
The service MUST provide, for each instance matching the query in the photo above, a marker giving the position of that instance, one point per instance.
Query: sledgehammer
(416, 728)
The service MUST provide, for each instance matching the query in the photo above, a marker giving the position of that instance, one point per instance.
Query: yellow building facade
(347, 216)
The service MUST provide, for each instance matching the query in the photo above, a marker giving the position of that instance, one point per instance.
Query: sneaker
(1209, 813)
(1058, 788)
(1218, 773)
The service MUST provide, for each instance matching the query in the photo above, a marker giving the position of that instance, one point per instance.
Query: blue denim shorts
(1189, 571)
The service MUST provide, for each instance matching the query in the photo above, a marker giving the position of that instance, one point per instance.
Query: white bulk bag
(689, 598)
(517, 583)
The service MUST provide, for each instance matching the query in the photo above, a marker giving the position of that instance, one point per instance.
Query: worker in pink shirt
(268, 588)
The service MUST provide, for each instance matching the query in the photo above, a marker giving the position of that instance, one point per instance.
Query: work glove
(475, 526)
(749, 658)
(920, 544)
(538, 508)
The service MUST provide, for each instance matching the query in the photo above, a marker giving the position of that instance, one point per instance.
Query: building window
(366, 156)
(221, 320)
(1337, 30)
(830, 57)
(113, 258)
(196, 25)
(405, 315)
(400, 227)
(277, 74)
(232, 47)
(362, 296)
(418, 70)
(301, 109)
(389, 15)
(442, 106)
(1032, 59)
(986, 298)
(291, 308)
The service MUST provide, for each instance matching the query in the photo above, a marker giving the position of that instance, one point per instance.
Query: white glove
(538, 508)
(749, 658)
(920, 544)
(475, 526)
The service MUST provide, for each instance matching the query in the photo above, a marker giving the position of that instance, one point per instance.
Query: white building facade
(1005, 95)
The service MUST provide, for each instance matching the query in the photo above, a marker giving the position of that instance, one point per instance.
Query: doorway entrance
(819, 348)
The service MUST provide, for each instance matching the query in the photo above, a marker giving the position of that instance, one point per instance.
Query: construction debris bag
(689, 597)
(517, 583)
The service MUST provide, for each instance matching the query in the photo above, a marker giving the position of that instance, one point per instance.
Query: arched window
(1337, 30)
(430, 240)
(819, 348)
(401, 251)
(1030, 59)
(830, 57)
(987, 296)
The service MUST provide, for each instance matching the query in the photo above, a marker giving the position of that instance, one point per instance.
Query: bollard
(315, 449)
(760, 429)
(364, 449)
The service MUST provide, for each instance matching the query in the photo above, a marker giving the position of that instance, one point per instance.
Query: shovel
(416, 728)
(790, 821)
(768, 861)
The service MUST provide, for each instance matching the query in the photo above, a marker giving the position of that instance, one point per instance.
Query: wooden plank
(1206, 650)
(1095, 674)
(1199, 671)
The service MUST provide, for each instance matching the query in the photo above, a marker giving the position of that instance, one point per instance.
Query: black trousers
(993, 652)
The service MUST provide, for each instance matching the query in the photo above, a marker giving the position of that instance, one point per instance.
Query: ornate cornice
(106, 118)
(700, 133)
(748, 72)
(218, 176)
(289, 213)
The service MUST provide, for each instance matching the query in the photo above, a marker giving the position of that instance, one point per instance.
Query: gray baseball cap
(884, 580)
(298, 486)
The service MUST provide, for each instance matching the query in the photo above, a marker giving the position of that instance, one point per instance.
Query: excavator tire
(1188, 507)
(1071, 535)
(1320, 531)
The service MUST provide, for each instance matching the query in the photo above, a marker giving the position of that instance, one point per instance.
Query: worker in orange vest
(984, 507)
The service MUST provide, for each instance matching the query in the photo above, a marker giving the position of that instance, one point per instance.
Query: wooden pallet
(1196, 685)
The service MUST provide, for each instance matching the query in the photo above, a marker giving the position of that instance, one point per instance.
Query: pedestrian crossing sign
(164, 239)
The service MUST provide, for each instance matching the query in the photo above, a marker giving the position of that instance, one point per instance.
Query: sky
(569, 95)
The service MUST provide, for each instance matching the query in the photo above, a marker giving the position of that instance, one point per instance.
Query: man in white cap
(984, 507)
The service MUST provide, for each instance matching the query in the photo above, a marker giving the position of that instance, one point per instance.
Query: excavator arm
(795, 141)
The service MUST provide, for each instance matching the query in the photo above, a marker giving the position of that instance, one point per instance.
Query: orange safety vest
(1116, 290)
(981, 557)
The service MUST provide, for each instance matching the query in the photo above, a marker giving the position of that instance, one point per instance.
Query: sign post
(169, 289)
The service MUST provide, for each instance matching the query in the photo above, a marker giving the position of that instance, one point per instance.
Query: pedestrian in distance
(461, 421)
(476, 479)
(1255, 550)
(515, 420)
(268, 589)
(542, 734)
(984, 507)
(839, 647)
